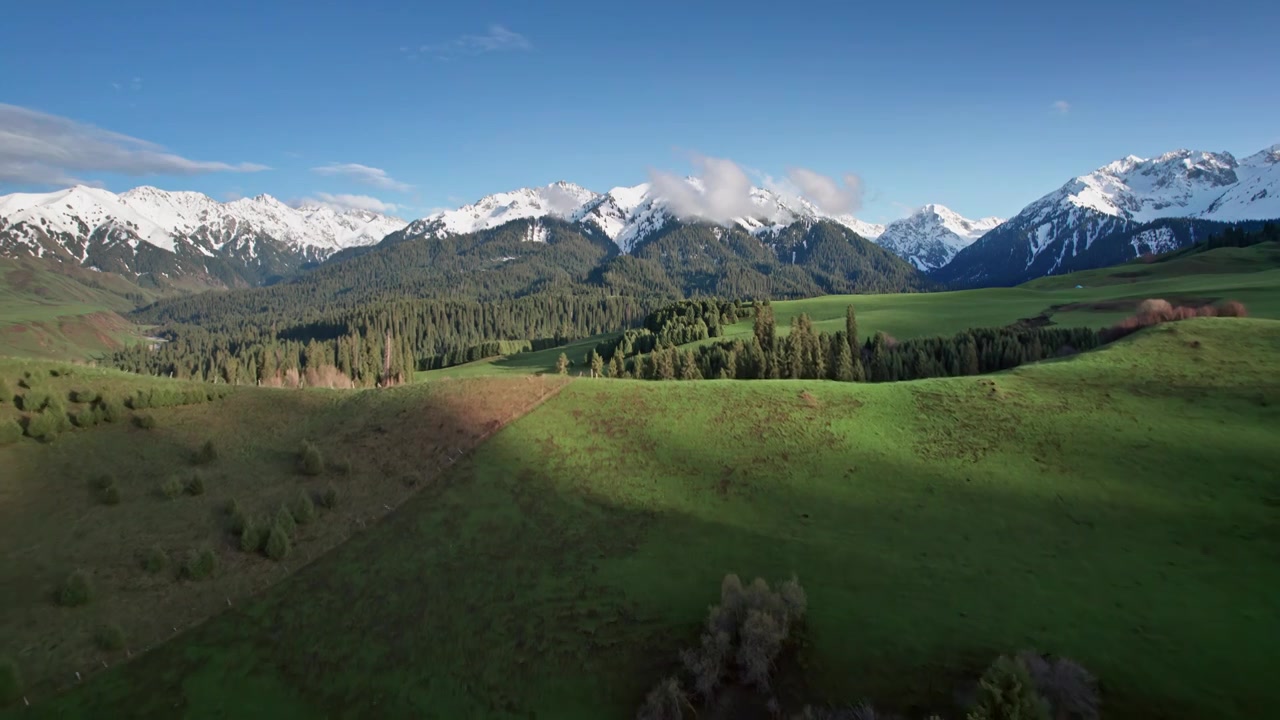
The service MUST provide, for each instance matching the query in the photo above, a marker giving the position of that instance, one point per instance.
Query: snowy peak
(932, 235)
(559, 200)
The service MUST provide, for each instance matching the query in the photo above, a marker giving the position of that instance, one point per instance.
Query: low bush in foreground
(146, 421)
(6, 392)
(329, 497)
(195, 485)
(285, 521)
(278, 545)
(303, 510)
(207, 453)
(76, 590)
(1006, 692)
(253, 536)
(109, 637)
(111, 496)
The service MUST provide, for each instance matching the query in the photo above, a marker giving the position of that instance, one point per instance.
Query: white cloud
(1062, 107)
(720, 192)
(42, 149)
(347, 202)
(363, 174)
(497, 39)
(826, 193)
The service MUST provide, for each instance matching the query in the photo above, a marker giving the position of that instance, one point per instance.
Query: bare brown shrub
(327, 376)
(1155, 311)
(1232, 308)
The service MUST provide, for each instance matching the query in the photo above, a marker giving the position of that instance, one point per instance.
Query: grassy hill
(1117, 507)
(1250, 275)
(58, 312)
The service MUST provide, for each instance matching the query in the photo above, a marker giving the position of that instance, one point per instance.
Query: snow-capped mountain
(1121, 210)
(932, 235)
(626, 215)
(100, 229)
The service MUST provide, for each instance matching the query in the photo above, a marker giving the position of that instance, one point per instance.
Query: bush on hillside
(103, 481)
(284, 520)
(171, 488)
(146, 421)
(6, 392)
(109, 637)
(10, 682)
(110, 495)
(86, 418)
(207, 453)
(75, 590)
(110, 410)
(82, 396)
(155, 560)
(278, 545)
(1232, 308)
(303, 510)
(329, 497)
(310, 461)
(200, 564)
(1006, 692)
(253, 536)
(46, 425)
(1070, 690)
(342, 467)
(10, 431)
(667, 701)
(195, 485)
(33, 401)
(1155, 311)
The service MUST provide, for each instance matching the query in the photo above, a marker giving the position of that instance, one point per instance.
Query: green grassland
(54, 518)
(1249, 275)
(1118, 507)
(63, 313)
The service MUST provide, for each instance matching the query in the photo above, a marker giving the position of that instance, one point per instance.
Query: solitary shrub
(109, 637)
(83, 396)
(103, 481)
(10, 431)
(252, 537)
(1070, 690)
(33, 400)
(310, 461)
(111, 495)
(304, 511)
(10, 682)
(195, 485)
(76, 590)
(278, 544)
(207, 453)
(1232, 308)
(111, 410)
(329, 497)
(665, 702)
(1006, 692)
(284, 520)
(146, 421)
(45, 426)
(200, 565)
(171, 488)
(155, 560)
(342, 467)
(86, 418)
(6, 392)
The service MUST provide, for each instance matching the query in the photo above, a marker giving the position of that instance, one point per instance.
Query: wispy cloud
(41, 149)
(347, 202)
(135, 85)
(363, 174)
(721, 191)
(497, 39)
(1062, 107)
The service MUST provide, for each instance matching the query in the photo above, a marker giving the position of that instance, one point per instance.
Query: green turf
(1117, 507)
(525, 363)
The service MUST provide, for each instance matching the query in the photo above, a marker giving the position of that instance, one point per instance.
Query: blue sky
(981, 107)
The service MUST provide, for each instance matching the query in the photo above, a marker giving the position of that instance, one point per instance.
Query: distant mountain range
(1123, 209)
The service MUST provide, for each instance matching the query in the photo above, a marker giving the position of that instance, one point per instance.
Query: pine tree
(844, 363)
(616, 367)
(562, 364)
(597, 364)
(851, 329)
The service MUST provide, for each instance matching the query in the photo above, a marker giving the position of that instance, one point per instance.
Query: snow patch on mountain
(932, 235)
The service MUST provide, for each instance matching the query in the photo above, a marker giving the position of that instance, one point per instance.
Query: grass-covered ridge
(1116, 507)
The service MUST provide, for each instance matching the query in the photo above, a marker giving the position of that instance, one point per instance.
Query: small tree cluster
(1156, 311)
(1006, 692)
(666, 701)
(310, 460)
(50, 422)
(1070, 690)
